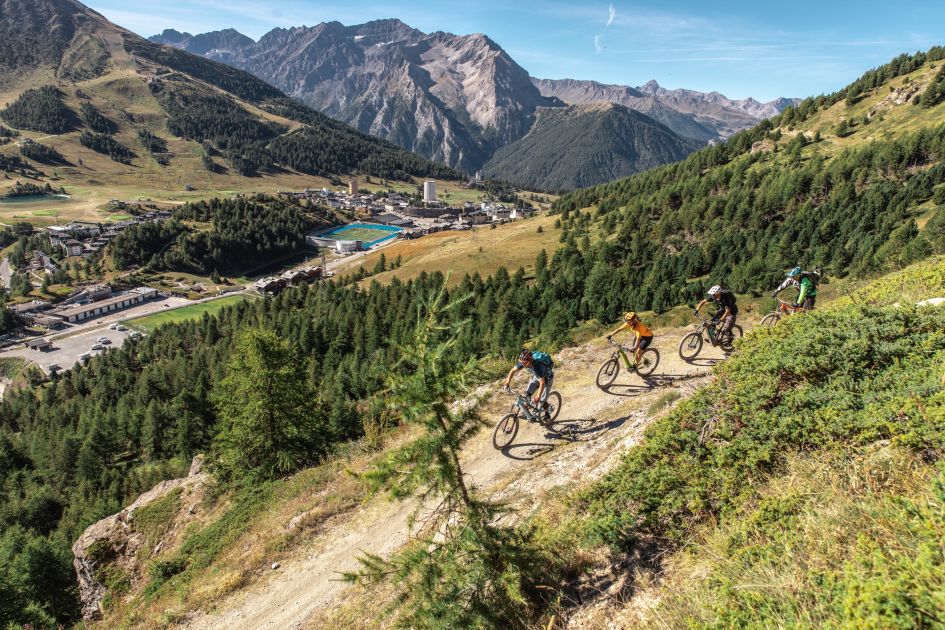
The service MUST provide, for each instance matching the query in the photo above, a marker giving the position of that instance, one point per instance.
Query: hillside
(584, 145)
(279, 392)
(148, 121)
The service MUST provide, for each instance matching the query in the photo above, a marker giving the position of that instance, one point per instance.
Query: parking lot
(66, 351)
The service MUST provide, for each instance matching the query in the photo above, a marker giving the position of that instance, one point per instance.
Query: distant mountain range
(691, 114)
(457, 99)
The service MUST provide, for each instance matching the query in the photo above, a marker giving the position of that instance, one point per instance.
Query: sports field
(367, 233)
(150, 322)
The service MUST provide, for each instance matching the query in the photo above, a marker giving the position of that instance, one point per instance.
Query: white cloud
(597, 45)
(611, 14)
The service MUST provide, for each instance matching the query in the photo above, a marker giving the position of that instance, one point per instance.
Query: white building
(80, 312)
(429, 191)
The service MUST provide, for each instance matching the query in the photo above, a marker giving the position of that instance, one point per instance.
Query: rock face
(585, 145)
(453, 98)
(216, 44)
(112, 545)
(689, 113)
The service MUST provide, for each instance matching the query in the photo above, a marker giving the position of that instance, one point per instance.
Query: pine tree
(268, 421)
(464, 571)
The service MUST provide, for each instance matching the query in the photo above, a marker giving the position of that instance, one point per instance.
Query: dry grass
(482, 250)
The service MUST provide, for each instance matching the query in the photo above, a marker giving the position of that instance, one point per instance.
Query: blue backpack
(543, 357)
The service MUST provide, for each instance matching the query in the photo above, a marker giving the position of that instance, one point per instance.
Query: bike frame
(523, 403)
(622, 352)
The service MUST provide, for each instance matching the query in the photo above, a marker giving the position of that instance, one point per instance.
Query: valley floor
(594, 428)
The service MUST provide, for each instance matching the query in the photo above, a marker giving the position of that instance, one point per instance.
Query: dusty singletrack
(593, 429)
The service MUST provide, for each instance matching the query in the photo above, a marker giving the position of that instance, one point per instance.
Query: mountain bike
(608, 372)
(691, 344)
(507, 428)
(784, 309)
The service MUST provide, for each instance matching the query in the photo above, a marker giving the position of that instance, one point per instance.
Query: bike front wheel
(505, 431)
(690, 346)
(770, 319)
(607, 373)
(554, 406)
(648, 362)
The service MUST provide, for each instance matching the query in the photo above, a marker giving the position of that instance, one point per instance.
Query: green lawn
(150, 322)
(361, 234)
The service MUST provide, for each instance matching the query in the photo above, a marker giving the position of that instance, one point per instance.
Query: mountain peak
(650, 86)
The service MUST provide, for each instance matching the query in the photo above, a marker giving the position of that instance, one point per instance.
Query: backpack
(813, 276)
(543, 357)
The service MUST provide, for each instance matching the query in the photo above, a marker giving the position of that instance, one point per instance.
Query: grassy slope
(482, 250)
(816, 498)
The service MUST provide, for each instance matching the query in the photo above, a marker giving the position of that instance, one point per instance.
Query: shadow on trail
(650, 383)
(566, 431)
(706, 362)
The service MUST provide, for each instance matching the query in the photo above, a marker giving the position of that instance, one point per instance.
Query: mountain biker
(543, 375)
(726, 314)
(631, 321)
(806, 284)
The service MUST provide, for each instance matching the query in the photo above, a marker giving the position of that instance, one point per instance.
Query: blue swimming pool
(369, 234)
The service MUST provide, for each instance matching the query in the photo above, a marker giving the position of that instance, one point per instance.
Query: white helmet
(715, 289)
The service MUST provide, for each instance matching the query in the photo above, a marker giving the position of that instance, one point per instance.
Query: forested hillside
(244, 233)
(581, 146)
(83, 446)
(201, 123)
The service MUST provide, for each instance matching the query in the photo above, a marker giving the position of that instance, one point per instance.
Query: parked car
(121, 328)
(98, 346)
(53, 367)
(85, 357)
(113, 326)
(103, 340)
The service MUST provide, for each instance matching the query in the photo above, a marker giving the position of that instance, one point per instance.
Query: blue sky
(740, 48)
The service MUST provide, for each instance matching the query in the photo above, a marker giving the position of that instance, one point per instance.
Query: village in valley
(56, 329)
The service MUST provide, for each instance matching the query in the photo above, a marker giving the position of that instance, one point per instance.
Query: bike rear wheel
(505, 431)
(771, 319)
(607, 373)
(554, 406)
(648, 362)
(690, 346)
(729, 345)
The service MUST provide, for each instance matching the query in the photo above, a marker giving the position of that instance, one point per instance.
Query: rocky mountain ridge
(702, 116)
(454, 98)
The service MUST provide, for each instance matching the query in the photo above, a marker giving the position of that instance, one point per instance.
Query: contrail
(611, 14)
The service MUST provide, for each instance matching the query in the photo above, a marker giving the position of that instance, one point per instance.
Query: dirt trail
(591, 432)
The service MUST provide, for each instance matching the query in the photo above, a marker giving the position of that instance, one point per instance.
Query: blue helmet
(793, 273)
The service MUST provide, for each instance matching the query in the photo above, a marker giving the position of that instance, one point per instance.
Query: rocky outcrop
(453, 98)
(115, 548)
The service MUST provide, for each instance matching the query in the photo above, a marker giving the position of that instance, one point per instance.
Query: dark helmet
(525, 356)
